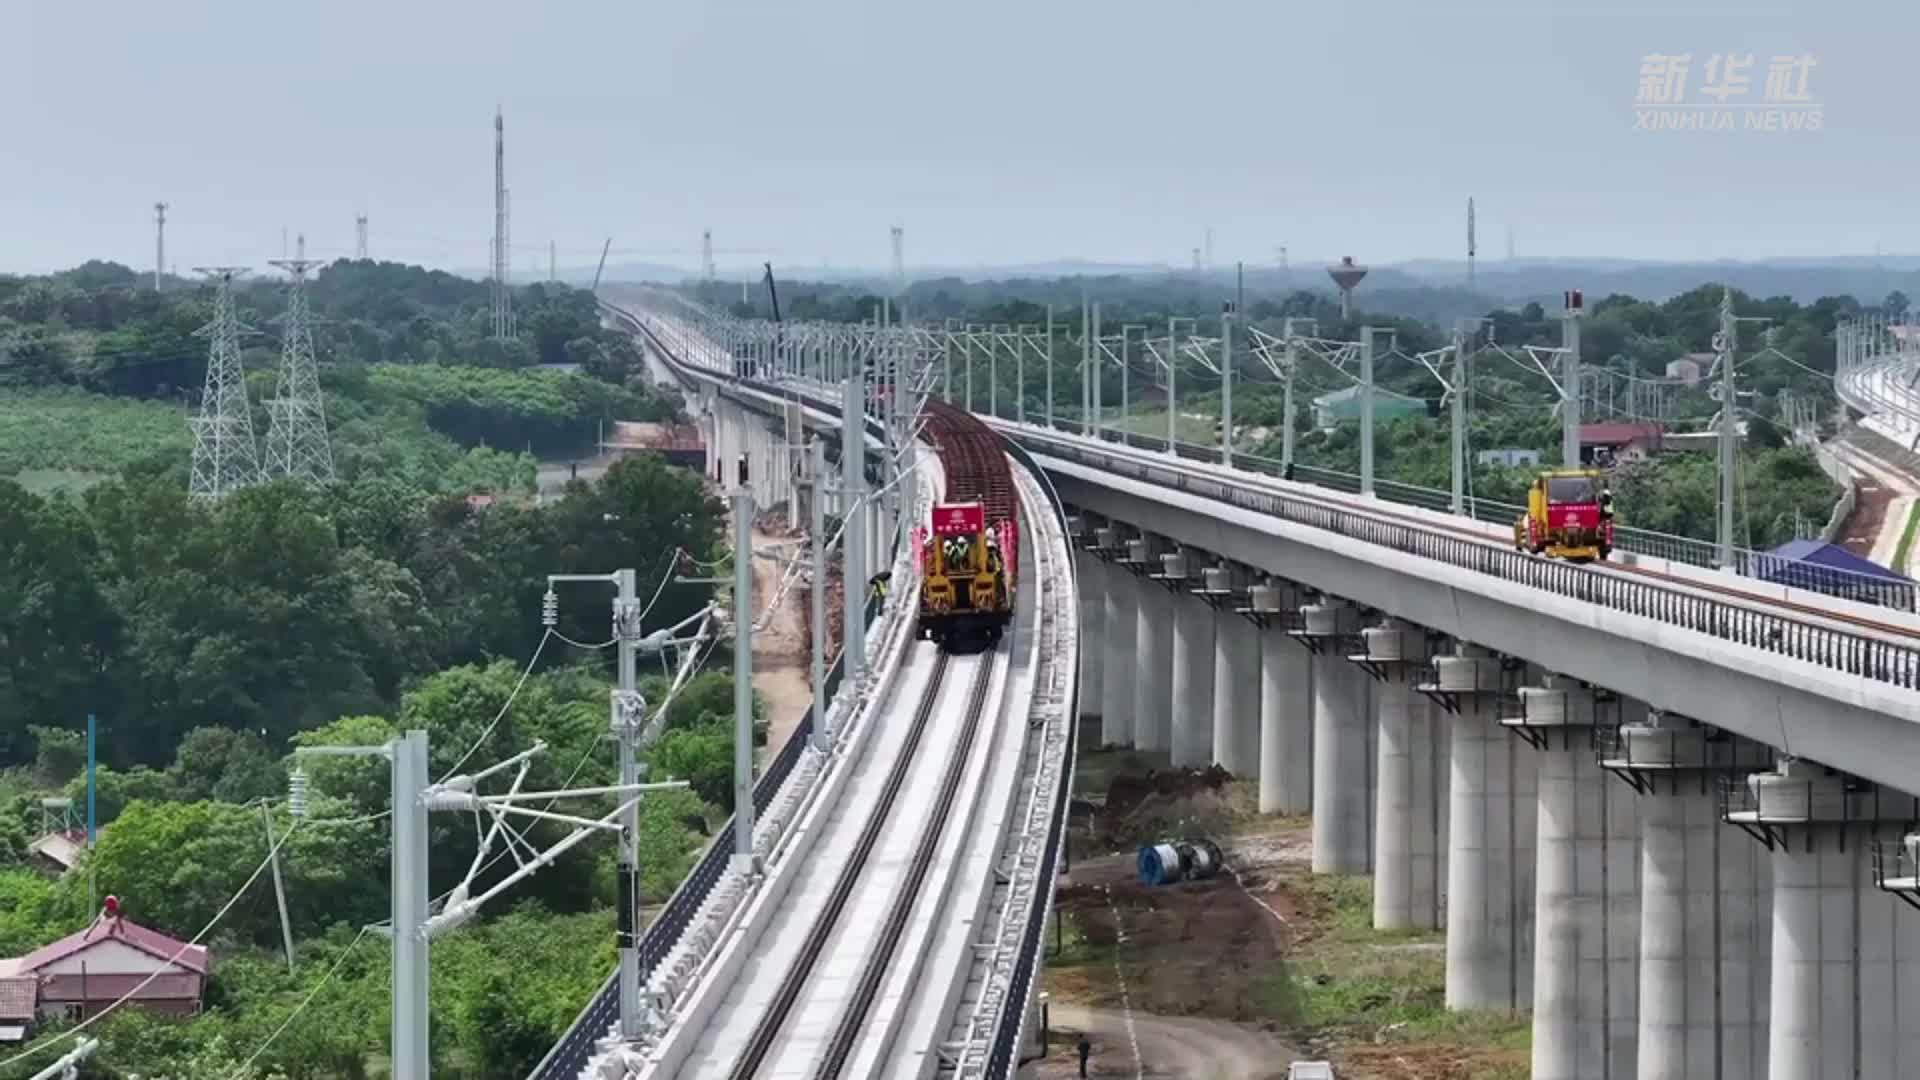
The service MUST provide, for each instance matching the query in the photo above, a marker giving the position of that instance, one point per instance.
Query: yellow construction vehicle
(1569, 516)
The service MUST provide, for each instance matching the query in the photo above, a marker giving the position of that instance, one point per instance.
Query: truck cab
(1568, 517)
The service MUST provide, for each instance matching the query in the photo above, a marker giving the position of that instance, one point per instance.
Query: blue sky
(994, 131)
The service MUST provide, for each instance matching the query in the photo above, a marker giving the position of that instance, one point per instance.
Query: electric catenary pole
(297, 445)
(1570, 381)
(225, 458)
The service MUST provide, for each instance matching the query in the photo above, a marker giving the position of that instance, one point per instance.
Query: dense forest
(210, 639)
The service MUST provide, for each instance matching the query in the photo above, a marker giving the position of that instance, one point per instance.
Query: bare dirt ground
(1862, 530)
(1269, 956)
(781, 650)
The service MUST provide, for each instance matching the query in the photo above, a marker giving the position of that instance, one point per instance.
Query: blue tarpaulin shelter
(1832, 569)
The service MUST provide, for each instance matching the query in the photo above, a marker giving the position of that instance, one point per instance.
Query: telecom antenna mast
(225, 458)
(502, 291)
(360, 237)
(706, 253)
(1470, 245)
(899, 261)
(297, 445)
(159, 242)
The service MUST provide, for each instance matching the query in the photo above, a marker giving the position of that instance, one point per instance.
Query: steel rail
(760, 1043)
(880, 955)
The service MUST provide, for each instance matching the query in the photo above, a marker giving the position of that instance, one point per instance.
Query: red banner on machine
(958, 519)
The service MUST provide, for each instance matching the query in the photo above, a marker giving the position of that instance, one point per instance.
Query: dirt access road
(780, 651)
(1152, 1047)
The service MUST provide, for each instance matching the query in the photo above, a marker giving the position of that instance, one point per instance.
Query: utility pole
(159, 242)
(279, 887)
(1286, 398)
(1093, 373)
(1047, 414)
(411, 1010)
(853, 485)
(1173, 392)
(1459, 441)
(1570, 381)
(817, 596)
(1226, 387)
(1366, 410)
(1020, 336)
(741, 498)
(1226, 363)
(626, 716)
(966, 353)
(1726, 343)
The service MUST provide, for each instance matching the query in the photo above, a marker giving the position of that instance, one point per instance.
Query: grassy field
(64, 439)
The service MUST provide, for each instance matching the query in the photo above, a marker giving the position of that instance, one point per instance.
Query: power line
(241, 1070)
(495, 722)
(170, 962)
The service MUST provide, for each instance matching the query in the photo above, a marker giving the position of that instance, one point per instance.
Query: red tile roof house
(81, 974)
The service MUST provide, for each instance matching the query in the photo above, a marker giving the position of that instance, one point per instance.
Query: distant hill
(1406, 286)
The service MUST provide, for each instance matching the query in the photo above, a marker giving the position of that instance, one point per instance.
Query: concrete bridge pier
(1118, 689)
(1152, 649)
(1343, 741)
(1490, 832)
(1587, 899)
(1093, 606)
(1705, 903)
(1845, 983)
(1193, 658)
(1236, 673)
(1410, 836)
(1286, 703)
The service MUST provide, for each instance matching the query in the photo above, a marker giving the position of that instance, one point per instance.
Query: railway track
(760, 1046)
(1478, 534)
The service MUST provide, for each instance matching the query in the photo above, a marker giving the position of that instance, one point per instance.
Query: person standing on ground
(1085, 1048)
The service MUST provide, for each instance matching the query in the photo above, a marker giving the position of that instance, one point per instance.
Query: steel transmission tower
(224, 455)
(297, 438)
(502, 291)
(159, 242)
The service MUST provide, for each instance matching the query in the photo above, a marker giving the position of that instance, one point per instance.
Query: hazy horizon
(1023, 134)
